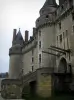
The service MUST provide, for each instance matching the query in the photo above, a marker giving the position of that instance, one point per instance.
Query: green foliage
(61, 97)
(54, 97)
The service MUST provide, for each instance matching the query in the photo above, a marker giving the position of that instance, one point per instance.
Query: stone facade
(54, 34)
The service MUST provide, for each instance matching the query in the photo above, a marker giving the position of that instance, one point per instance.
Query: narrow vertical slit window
(61, 38)
(64, 40)
(73, 29)
(72, 16)
(32, 59)
(57, 41)
(67, 39)
(39, 44)
(59, 25)
(39, 58)
(39, 33)
(32, 52)
(66, 33)
(32, 68)
(63, 35)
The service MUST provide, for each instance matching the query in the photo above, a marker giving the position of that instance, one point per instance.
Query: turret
(46, 31)
(48, 7)
(15, 53)
(46, 13)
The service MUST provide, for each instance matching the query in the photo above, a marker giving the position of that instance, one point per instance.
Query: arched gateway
(62, 68)
(62, 77)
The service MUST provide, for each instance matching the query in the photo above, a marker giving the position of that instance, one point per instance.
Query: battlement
(15, 50)
(49, 18)
(63, 8)
(29, 45)
(44, 20)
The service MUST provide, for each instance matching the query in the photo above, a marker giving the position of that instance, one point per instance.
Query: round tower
(46, 32)
(15, 53)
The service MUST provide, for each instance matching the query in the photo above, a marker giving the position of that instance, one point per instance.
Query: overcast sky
(15, 14)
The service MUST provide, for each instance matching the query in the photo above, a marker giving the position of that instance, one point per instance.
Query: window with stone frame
(73, 29)
(39, 44)
(72, 16)
(32, 68)
(63, 35)
(59, 25)
(57, 38)
(32, 59)
(32, 52)
(39, 58)
(66, 33)
(60, 37)
(39, 33)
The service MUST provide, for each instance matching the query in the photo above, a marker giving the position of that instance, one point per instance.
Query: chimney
(14, 34)
(61, 2)
(34, 31)
(26, 35)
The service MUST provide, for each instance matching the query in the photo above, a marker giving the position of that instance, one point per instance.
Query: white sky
(15, 14)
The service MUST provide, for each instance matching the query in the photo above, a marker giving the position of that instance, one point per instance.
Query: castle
(51, 45)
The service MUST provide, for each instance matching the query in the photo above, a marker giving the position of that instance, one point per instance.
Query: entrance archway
(62, 68)
(29, 90)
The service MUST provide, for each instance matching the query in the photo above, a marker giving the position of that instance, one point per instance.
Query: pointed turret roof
(19, 35)
(48, 6)
(49, 3)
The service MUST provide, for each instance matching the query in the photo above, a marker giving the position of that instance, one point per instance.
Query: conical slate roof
(49, 3)
(19, 35)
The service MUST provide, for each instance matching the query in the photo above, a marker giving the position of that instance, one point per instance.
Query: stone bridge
(38, 82)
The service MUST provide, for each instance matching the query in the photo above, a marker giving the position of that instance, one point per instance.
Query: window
(73, 29)
(63, 34)
(39, 58)
(38, 20)
(55, 13)
(32, 68)
(66, 33)
(60, 38)
(39, 44)
(72, 16)
(62, 7)
(47, 16)
(39, 33)
(59, 25)
(32, 59)
(57, 38)
(32, 52)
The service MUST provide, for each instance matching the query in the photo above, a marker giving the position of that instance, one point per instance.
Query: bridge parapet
(32, 76)
(11, 89)
(29, 77)
(40, 81)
